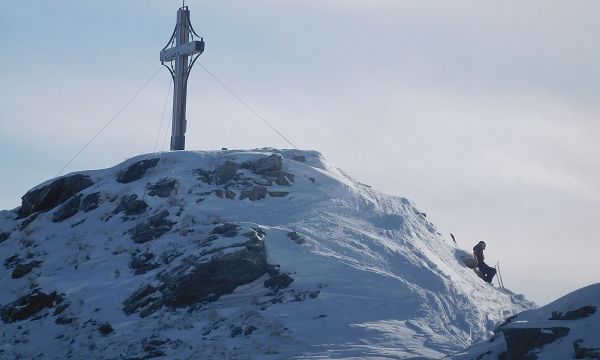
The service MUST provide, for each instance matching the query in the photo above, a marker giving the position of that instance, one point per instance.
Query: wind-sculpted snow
(262, 254)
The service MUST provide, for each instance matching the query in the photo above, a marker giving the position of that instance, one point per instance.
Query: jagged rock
(272, 162)
(63, 320)
(90, 202)
(4, 236)
(163, 188)
(226, 230)
(204, 176)
(297, 238)
(141, 299)
(226, 172)
(585, 353)
(56, 193)
(278, 193)
(105, 329)
(23, 269)
(520, 342)
(225, 194)
(257, 193)
(576, 314)
(198, 280)
(130, 205)
(152, 348)
(68, 209)
(278, 281)
(28, 305)
(300, 158)
(136, 171)
(143, 263)
(153, 228)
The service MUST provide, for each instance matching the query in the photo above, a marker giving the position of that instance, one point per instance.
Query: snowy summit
(262, 254)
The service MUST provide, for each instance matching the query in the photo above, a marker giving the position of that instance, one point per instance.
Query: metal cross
(184, 52)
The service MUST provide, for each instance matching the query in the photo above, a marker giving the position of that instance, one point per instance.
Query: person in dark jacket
(487, 271)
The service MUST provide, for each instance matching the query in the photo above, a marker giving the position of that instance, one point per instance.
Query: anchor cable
(246, 105)
(111, 120)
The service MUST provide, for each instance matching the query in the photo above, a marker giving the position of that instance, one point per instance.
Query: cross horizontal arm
(187, 49)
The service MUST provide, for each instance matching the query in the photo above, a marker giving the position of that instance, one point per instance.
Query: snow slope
(568, 328)
(372, 278)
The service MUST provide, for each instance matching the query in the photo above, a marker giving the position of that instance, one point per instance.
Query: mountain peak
(233, 254)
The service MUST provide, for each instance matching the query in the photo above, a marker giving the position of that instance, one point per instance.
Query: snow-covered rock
(233, 255)
(568, 328)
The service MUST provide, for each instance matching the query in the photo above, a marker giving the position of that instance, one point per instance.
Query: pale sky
(485, 114)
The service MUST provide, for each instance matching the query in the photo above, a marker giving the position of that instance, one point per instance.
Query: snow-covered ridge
(233, 254)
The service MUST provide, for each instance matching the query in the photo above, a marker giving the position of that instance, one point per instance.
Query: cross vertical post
(181, 53)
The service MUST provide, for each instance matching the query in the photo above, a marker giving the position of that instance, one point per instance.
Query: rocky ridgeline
(217, 258)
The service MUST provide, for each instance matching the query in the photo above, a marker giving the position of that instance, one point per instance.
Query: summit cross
(181, 52)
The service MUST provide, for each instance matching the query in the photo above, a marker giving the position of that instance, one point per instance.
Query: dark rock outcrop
(56, 193)
(153, 228)
(256, 193)
(521, 342)
(143, 263)
(576, 314)
(23, 269)
(68, 209)
(278, 281)
(198, 281)
(90, 202)
(583, 352)
(226, 230)
(269, 163)
(130, 205)
(297, 238)
(4, 236)
(105, 329)
(136, 171)
(26, 306)
(278, 193)
(226, 172)
(163, 188)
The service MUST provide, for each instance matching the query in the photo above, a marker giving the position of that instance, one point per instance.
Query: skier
(487, 271)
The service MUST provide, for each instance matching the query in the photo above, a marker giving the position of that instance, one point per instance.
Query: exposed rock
(198, 280)
(68, 209)
(130, 205)
(236, 331)
(225, 194)
(142, 299)
(585, 353)
(576, 314)
(63, 320)
(300, 158)
(282, 180)
(226, 230)
(4, 236)
(278, 282)
(257, 193)
(28, 305)
(226, 172)
(520, 342)
(56, 193)
(163, 188)
(204, 176)
(153, 228)
(278, 193)
(105, 329)
(272, 162)
(136, 171)
(143, 263)
(297, 238)
(24, 269)
(152, 348)
(90, 202)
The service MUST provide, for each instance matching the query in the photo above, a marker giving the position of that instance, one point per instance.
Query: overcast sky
(485, 114)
